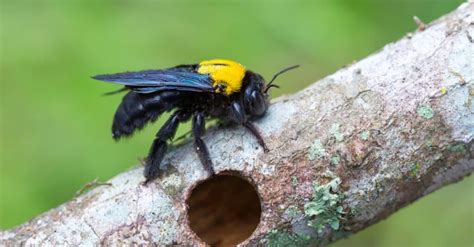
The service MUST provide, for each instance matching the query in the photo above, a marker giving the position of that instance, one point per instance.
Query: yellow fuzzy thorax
(226, 75)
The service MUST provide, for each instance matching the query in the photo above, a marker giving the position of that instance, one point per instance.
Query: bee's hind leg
(199, 127)
(159, 146)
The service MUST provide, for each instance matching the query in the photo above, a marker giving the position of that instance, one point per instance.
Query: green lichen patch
(172, 184)
(457, 148)
(282, 239)
(336, 132)
(292, 212)
(325, 208)
(294, 181)
(425, 111)
(429, 144)
(415, 169)
(365, 135)
(335, 159)
(317, 150)
(355, 210)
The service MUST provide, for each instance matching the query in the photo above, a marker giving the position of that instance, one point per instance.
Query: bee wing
(150, 81)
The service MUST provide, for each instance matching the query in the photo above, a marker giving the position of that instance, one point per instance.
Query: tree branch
(346, 152)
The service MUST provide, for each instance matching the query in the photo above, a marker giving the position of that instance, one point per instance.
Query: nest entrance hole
(224, 210)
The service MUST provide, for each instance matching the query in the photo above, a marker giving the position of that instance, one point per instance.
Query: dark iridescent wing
(180, 78)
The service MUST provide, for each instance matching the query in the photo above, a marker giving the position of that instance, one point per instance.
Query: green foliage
(325, 208)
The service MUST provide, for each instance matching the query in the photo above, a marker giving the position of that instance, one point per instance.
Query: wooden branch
(345, 152)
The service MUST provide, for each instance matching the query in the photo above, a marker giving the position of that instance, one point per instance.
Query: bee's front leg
(256, 133)
(199, 127)
(239, 116)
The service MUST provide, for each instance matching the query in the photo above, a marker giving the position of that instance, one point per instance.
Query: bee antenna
(270, 85)
(273, 85)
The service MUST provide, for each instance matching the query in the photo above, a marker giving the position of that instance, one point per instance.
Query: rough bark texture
(345, 152)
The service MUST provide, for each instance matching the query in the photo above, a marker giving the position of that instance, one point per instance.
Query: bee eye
(257, 103)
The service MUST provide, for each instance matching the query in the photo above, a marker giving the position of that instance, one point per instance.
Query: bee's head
(254, 96)
(255, 92)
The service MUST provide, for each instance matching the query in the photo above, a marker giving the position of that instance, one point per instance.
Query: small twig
(421, 25)
(95, 183)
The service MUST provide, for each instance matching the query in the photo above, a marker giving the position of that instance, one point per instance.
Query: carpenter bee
(211, 89)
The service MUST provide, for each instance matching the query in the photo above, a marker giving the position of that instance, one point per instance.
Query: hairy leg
(238, 114)
(199, 127)
(257, 135)
(159, 146)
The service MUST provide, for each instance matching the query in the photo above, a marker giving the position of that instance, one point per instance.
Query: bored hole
(224, 210)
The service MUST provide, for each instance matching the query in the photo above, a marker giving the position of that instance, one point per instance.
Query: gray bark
(346, 152)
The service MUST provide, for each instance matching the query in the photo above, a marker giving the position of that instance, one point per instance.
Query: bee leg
(238, 114)
(199, 127)
(159, 146)
(256, 133)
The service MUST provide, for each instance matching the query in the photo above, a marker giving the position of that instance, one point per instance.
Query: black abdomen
(136, 110)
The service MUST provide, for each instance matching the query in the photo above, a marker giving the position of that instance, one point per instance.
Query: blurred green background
(55, 126)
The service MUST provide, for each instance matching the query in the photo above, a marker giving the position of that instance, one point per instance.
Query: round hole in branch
(224, 210)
